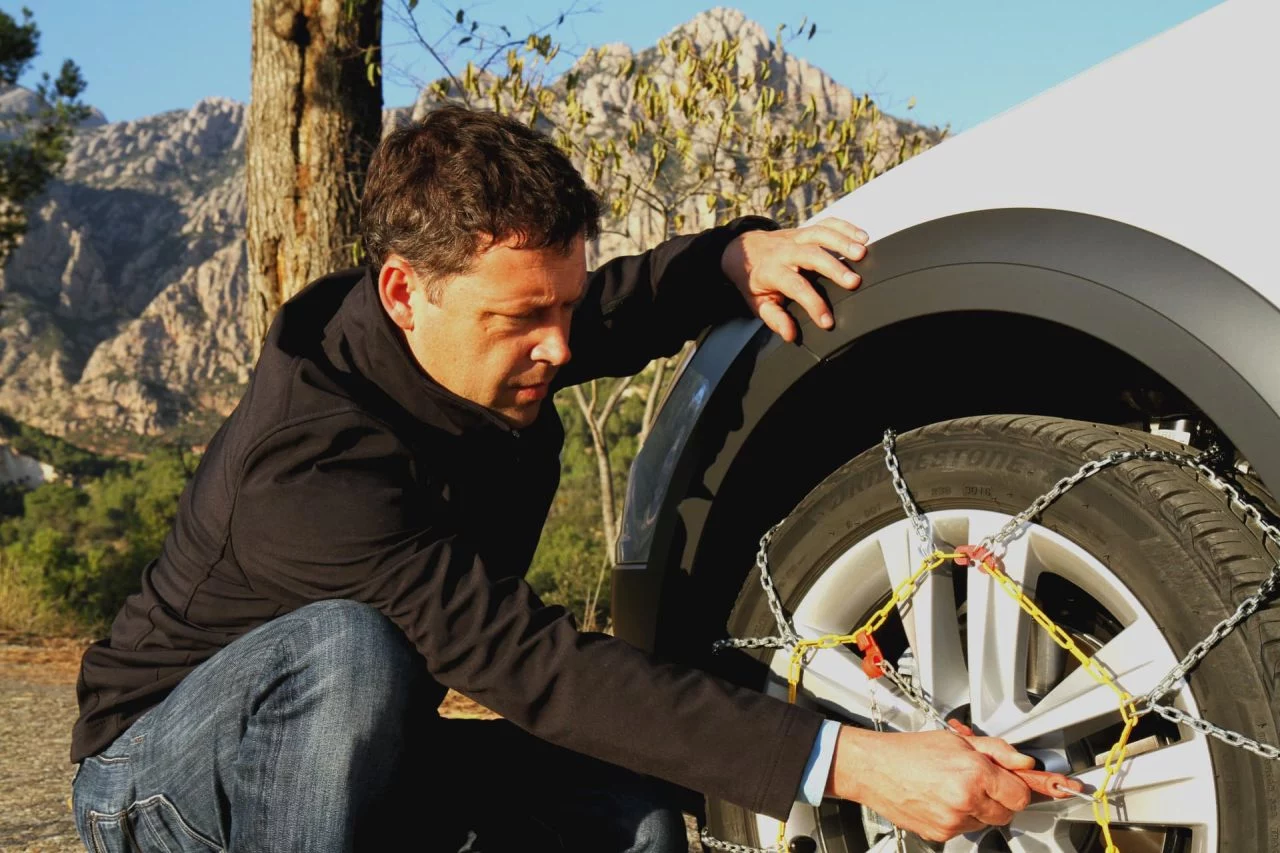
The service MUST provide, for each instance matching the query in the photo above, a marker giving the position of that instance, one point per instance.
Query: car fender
(1204, 330)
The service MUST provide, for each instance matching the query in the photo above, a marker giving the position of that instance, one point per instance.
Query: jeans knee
(353, 622)
(356, 654)
(661, 831)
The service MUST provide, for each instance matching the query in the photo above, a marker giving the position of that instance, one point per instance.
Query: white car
(1093, 270)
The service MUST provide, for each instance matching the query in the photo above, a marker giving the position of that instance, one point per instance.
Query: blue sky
(962, 60)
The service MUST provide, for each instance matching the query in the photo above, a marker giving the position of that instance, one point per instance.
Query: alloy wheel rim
(1166, 790)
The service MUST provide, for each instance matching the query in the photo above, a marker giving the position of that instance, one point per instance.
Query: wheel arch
(1029, 311)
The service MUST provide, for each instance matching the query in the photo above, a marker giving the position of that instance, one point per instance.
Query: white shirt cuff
(814, 782)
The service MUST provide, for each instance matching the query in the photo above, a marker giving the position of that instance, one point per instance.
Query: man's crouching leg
(524, 794)
(292, 738)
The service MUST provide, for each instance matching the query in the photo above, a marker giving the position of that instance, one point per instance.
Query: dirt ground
(37, 710)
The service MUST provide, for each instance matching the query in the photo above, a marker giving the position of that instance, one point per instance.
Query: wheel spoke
(1170, 786)
(966, 843)
(834, 678)
(997, 633)
(913, 844)
(887, 844)
(930, 622)
(1038, 832)
(1137, 657)
(901, 559)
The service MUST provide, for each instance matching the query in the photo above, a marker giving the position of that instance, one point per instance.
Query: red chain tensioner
(872, 657)
(978, 555)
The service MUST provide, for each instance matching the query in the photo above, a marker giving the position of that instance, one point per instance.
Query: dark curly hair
(441, 191)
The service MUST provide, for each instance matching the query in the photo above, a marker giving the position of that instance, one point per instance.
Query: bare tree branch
(604, 470)
(484, 34)
(410, 20)
(612, 400)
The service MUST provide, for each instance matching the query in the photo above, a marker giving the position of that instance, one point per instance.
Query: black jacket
(345, 472)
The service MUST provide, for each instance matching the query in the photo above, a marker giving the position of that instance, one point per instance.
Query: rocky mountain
(18, 103)
(121, 306)
(122, 309)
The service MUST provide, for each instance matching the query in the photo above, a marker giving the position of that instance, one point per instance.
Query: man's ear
(396, 282)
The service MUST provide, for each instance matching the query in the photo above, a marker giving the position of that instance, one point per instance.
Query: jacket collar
(377, 350)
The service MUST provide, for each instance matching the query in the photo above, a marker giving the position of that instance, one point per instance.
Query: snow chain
(985, 556)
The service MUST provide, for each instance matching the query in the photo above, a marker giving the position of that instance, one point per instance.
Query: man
(354, 540)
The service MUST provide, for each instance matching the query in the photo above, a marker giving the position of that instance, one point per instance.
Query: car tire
(1162, 533)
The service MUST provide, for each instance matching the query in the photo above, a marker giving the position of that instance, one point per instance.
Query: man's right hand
(934, 784)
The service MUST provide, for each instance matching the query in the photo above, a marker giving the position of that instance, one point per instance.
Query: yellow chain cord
(901, 594)
(904, 591)
(1128, 713)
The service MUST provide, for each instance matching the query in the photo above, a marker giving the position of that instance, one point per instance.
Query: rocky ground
(37, 710)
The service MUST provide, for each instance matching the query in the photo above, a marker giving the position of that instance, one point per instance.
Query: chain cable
(985, 556)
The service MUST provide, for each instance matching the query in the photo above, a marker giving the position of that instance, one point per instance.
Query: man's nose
(553, 348)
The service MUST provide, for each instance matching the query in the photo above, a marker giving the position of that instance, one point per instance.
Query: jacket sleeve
(640, 307)
(333, 510)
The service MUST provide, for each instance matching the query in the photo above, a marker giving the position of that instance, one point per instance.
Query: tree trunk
(314, 120)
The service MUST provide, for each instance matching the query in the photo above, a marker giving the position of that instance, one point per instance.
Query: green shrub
(83, 547)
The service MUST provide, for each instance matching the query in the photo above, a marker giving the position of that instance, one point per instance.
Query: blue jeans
(317, 732)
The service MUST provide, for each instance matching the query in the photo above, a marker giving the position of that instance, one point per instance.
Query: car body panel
(1172, 136)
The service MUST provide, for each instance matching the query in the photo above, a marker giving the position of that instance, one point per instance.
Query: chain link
(709, 840)
(1149, 703)
(914, 695)
(1175, 715)
(750, 643)
(1198, 652)
(785, 631)
(924, 533)
(1248, 606)
(786, 639)
(877, 720)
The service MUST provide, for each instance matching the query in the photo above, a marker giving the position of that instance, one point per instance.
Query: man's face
(497, 334)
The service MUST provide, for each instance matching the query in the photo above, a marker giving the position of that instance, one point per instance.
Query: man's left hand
(766, 265)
